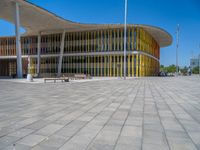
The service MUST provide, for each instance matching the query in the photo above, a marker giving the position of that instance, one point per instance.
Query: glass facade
(98, 53)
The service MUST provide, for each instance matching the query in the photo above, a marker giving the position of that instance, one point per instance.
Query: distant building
(194, 62)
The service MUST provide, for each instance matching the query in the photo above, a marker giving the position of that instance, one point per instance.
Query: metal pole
(62, 45)
(177, 45)
(18, 41)
(199, 64)
(38, 54)
(125, 19)
(199, 61)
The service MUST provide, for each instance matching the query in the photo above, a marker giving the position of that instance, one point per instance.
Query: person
(189, 71)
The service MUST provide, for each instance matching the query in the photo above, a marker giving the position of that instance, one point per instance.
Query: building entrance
(8, 68)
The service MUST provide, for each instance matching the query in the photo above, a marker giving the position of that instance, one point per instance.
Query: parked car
(162, 74)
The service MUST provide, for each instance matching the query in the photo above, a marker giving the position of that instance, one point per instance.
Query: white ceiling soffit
(36, 19)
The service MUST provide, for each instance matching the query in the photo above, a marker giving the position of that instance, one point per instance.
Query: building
(57, 46)
(194, 62)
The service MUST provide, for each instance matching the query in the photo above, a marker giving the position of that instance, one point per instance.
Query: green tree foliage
(195, 70)
(168, 69)
(171, 69)
(162, 68)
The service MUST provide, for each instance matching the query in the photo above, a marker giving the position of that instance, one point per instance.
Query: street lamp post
(125, 21)
(199, 64)
(18, 41)
(177, 45)
(199, 61)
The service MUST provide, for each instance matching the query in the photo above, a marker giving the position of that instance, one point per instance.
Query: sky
(165, 14)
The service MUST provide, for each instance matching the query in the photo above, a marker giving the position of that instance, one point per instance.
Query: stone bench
(62, 79)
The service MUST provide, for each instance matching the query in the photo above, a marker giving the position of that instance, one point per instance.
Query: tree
(162, 68)
(168, 69)
(171, 69)
(195, 70)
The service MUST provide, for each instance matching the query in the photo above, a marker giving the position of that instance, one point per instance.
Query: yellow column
(94, 66)
(108, 66)
(110, 40)
(121, 44)
(82, 42)
(98, 65)
(128, 39)
(128, 65)
(82, 64)
(101, 65)
(148, 66)
(137, 41)
(105, 39)
(114, 65)
(114, 39)
(117, 65)
(137, 68)
(141, 66)
(104, 66)
(132, 65)
(89, 65)
(117, 40)
(144, 62)
(111, 65)
(121, 66)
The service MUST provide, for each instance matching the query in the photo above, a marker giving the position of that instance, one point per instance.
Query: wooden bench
(62, 79)
(79, 76)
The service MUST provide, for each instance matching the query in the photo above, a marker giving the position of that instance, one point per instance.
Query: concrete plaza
(136, 114)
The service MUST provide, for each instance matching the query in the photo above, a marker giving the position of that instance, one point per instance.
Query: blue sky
(162, 13)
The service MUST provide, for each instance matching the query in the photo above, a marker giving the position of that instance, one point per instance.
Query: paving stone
(17, 147)
(32, 140)
(154, 147)
(53, 142)
(132, 131)
(154, 137)
(39, 147)
(138, 113)
(70, 129)
(21, 133)
(49, 129)
(7, 140)
(127, 147)
(181, 144)
(97, 146)
(38, 124)
(127, 140)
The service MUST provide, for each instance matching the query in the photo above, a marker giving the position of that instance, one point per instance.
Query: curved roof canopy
(36, 19)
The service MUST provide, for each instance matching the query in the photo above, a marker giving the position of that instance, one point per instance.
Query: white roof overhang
(36, 20)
